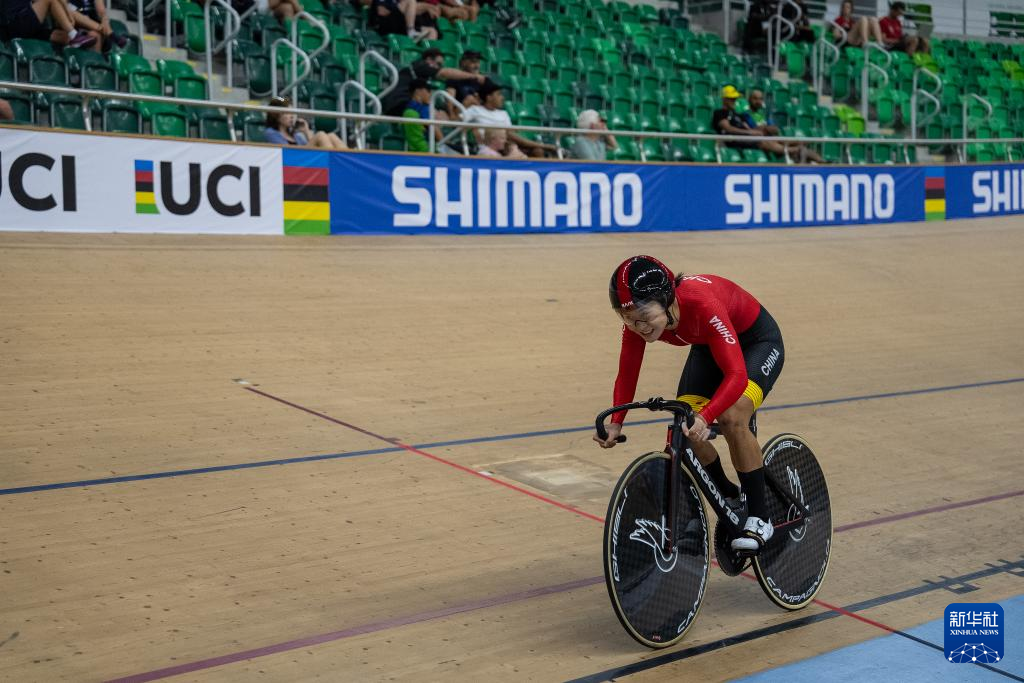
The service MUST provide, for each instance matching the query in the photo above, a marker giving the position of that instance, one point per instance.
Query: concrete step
(825, 101)
(153, 48)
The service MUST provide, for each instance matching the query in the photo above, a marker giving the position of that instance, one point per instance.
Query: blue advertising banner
(405, 194)
(991, 190)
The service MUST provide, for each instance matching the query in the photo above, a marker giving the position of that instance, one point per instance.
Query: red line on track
(417, 451)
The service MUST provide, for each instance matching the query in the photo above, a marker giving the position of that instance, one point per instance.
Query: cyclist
(735, 359)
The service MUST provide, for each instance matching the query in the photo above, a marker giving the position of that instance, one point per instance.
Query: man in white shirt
(492, 112)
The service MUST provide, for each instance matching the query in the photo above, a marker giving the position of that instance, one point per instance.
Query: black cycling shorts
(763, 352)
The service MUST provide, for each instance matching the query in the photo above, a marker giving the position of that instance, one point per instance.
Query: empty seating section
(644, 67)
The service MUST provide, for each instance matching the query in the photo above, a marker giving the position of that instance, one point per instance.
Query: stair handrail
(297, 52)
(458, 132)
(818, 61)
(361, 126)
(388, 66)
(295, 55)
(928, 94)
(775, 38)
(962, 149)
(865, 79)
(229, 34)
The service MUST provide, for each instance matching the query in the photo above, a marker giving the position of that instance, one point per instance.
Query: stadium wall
(54, 181)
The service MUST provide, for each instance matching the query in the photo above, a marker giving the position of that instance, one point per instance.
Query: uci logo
(42, 169)
(228, 189)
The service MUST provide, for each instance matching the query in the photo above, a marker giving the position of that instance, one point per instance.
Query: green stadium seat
(213, 125)
(66, 112)
(169, 123)
(20, 103)
(121, 117)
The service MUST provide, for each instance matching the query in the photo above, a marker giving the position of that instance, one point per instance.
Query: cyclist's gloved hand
(614, 429)
(699, 431)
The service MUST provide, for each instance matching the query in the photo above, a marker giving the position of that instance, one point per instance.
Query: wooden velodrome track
(394, 558)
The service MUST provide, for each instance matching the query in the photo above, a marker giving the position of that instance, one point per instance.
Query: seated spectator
(284, 9)
(593, 147)
(856, 27)
(6, 112)
(796, 12)
(289, 129)
(417, 108)
(491, 112)
(25, 19)
(728, 122)
(889, 32)
(91, 16)
(459, 88)
(418, 20)
(496, 144)
(758, 118)
(458, 10)
(428, 67)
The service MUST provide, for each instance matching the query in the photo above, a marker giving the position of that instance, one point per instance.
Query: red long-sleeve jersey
(712, 311)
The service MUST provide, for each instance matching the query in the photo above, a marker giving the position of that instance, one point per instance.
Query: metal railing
(362, 122)
(962, 151)
(557, 132)
(388, 66)
(229, 34)
(775, 37)
(819, 64)
(932, 95)
(458, 132)
(297, 53)
(865, 74)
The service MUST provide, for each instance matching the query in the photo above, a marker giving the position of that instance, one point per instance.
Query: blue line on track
(463, 442)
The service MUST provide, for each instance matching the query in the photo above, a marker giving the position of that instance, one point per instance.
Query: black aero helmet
(639, 280)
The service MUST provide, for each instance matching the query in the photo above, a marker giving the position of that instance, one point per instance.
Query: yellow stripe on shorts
(754, 393)
(694, 401)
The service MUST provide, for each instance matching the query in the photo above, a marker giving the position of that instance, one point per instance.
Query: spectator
(404, 16)
(728, 122)
(6, 112)
(289, 129)
(491, 112)
(593, 147)
(754, 33)
(889, 32)
(758, 118)
(91, 16)
(457, 10)
(284, 9)
(24, 19)
(417, 108)
(428, 67)
(496, 144)
(459, 88)
(796, 12)
(856, 28)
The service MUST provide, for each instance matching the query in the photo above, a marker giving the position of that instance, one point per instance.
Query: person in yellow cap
(729, 122)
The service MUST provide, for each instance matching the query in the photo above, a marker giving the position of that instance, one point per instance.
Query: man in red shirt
(889, 32)
(735, 358)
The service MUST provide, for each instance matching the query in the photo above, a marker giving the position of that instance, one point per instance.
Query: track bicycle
(657, 540)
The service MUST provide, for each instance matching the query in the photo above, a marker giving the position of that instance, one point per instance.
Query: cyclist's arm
(718, 329)
(631, 357)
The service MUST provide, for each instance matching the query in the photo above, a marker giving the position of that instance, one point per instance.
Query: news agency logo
(974, 633)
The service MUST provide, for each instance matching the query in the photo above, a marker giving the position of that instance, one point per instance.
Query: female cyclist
(737, 355)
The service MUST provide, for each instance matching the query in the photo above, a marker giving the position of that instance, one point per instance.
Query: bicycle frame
(677, 444)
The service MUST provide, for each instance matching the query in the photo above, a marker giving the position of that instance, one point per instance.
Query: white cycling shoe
(757, 533)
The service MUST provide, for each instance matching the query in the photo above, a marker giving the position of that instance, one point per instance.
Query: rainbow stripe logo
(145, 200)
(934, 193)
(306, 178)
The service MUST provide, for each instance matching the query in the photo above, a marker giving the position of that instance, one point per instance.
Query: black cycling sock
(722, 483)
(753, 485)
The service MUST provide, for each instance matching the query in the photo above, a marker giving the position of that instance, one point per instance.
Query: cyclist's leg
(699, 379)
(764, 354)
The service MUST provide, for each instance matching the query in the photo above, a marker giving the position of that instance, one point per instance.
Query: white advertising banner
(93, 183)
